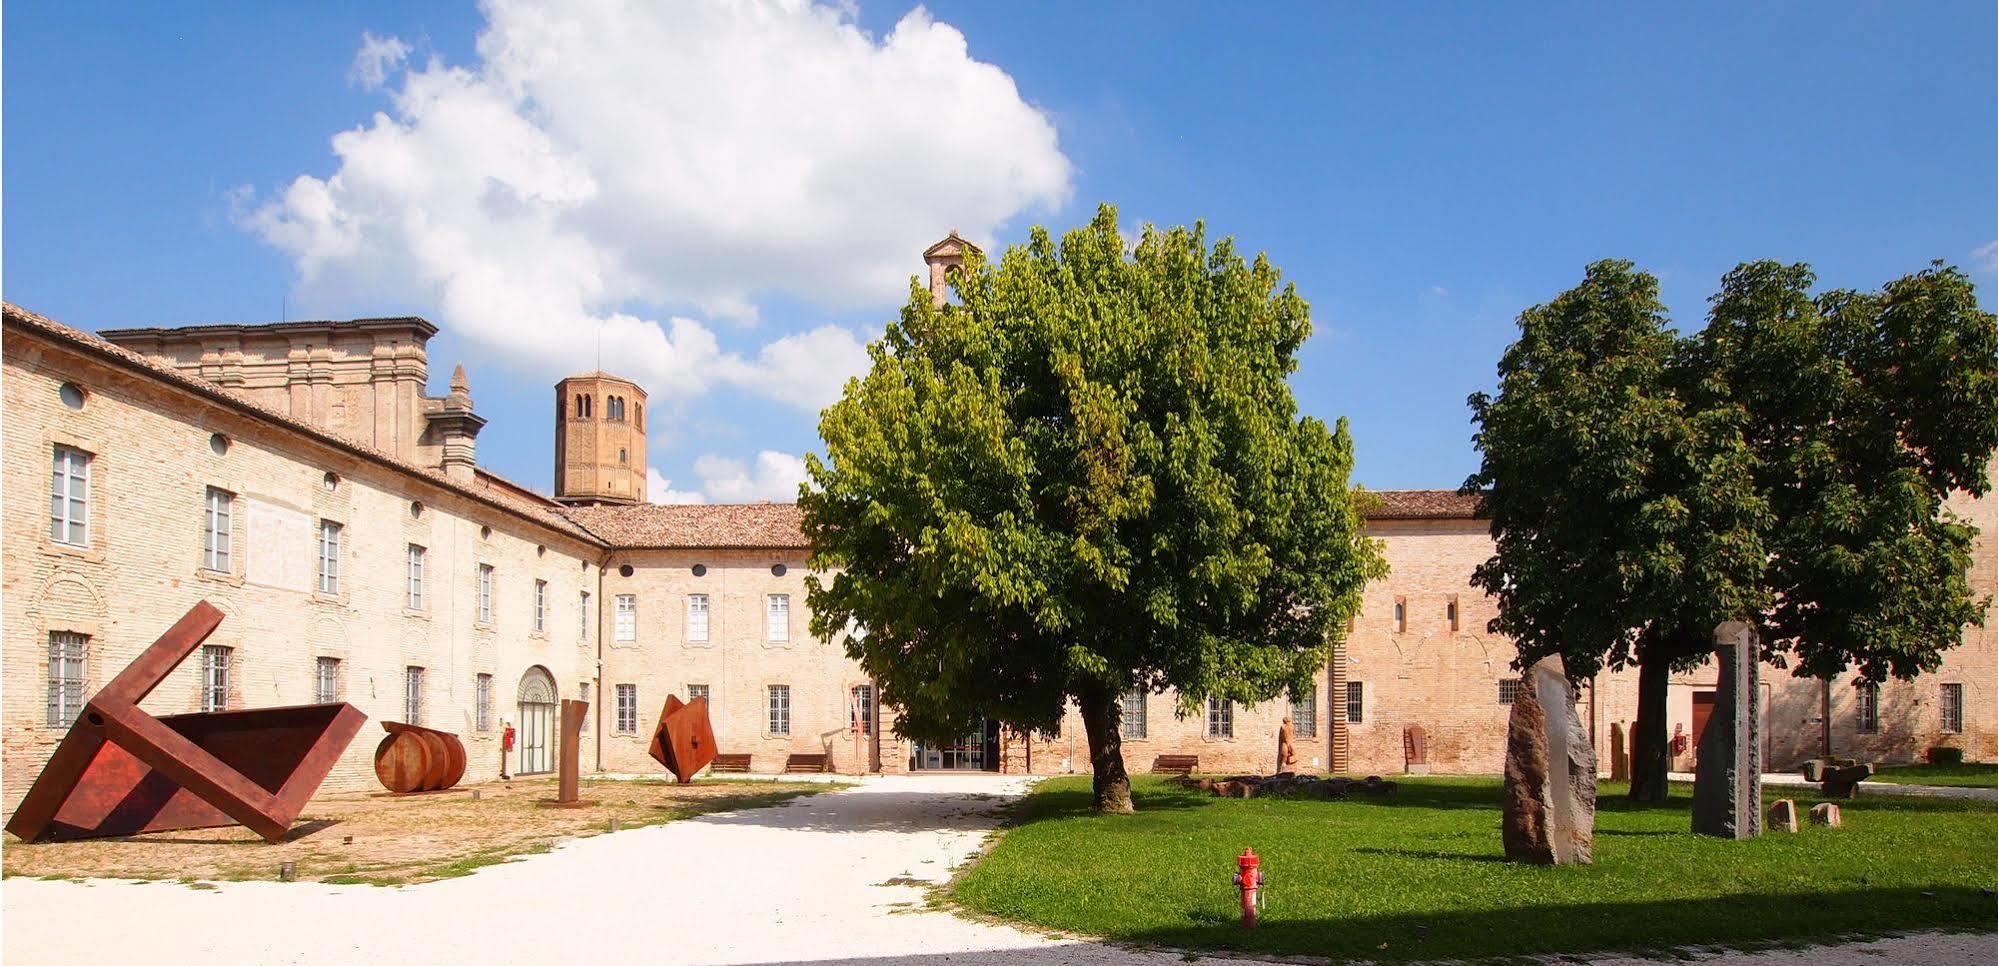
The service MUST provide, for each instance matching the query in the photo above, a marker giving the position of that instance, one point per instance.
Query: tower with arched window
(599, 440)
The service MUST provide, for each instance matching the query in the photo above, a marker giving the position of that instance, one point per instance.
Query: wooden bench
(1175, 764)
(802, 764)
(724, 764)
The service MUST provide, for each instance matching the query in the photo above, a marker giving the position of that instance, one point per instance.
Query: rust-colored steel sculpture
(121, 771)
(573, 713)
(684, 740)
(413, 759)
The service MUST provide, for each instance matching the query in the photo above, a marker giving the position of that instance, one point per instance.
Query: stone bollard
(1783, 815)
(475, 794)
(1827, 815)
(613, 823)
(287, 871)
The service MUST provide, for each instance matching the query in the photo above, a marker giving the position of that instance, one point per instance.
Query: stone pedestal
(1727, 783)
(1550, 773)
(1827, 815)
(1783, 815)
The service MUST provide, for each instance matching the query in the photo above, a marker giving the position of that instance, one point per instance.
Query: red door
(1703, 708)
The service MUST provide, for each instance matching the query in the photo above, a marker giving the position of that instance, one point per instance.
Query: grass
(1961, 776)
(1423, 876)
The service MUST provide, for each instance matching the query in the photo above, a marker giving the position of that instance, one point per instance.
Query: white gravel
(801, 883)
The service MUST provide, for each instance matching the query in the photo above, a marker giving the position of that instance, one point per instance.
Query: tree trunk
(1649, 758)
(1103, 724)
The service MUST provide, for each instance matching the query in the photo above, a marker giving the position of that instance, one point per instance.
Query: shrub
(1942, 755)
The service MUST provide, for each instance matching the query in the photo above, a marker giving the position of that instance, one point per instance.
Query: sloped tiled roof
(695, 525)
(1421, 505)
(498, 497)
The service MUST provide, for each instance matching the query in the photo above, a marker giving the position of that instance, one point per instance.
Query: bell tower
(599, 440)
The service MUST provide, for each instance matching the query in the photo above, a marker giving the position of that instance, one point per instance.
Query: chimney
(941, 258)
(457, 428)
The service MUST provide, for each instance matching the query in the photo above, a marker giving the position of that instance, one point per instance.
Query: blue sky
(1421, 173)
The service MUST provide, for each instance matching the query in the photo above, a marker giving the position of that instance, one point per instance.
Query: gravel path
(835, 878)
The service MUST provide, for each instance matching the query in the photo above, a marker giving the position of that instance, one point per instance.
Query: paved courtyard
(835, 878)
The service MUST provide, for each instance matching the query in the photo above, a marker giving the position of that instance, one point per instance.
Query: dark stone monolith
(1727, 782)
(1550, 773)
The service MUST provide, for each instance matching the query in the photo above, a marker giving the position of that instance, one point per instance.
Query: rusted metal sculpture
(684, 740)
(573, 713)
(414, 759)
(121, 771)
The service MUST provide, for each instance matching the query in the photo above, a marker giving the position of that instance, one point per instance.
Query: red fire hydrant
(1250, 878)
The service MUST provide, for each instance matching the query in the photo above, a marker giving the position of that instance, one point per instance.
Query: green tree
(1087, 477)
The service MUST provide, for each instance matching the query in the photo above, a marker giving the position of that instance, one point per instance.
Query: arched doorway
(537, 722)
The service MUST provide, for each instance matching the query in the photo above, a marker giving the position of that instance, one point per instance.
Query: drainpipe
(600, 661)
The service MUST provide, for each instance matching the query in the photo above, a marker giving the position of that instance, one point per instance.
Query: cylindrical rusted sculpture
(417, 759)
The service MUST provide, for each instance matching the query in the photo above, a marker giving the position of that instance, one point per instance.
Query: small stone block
(1826, 814)
(1783, 815)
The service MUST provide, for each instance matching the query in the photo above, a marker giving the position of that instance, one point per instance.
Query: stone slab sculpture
(1783, 815)
(1827, 815)
(570, 771)
(1550, 773)
(1727, 782)
(122, 771)
(1415, 750)
(413, 759)
(1286, 746)
(684, 739)
(1619, 754)
(1842, 781)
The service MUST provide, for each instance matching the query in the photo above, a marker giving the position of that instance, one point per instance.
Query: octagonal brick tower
(599, 440)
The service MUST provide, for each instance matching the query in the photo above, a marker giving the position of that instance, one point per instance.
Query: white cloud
(378, 58)
(1986, 256)
(659, 489)
(1438, 291)
(600, 157)
(775, 477)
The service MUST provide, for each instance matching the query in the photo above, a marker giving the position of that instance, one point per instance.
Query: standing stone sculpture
(567, 786)
(1619, 755)
(1727, 782)
(1415, 750)
(1550, 773)
(1783, 815)
(1286, 746)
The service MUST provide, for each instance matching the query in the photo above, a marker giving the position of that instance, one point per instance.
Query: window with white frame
(68, 656)
(412, 695)
(697, 618)
(1220, 718)
(780, 709)
(1356, 702)
(1868, 706)
(485, 593)
(627, 709)
(777, 623)
(700, 691)
(326, 680)
(482, 714)
(1304, 714)
(414, 599)
(540, 606)
(69, 497)
(583, 695)
(1952, 709)
(1508, 690)
(215, 661)
(329, 557)
(583, 616)
(861, 698)
(1132, 708)
(215, 529)
(627, 618)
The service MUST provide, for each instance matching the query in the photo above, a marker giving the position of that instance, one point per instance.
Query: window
(412, 695)
(1868, 694)
(780, 709)
(1450, 613)
(627, 709)
(540, 606)
(1220, 718)
(862, 700)
(778, 618)
(485, 593)
(329, 557)
(1400, 615)
(583, 695)
(697, 618)
(67, 653)
(215, 677)
(326, 680)
(583, 615)
(415, 599)
(698, 691)
(1356, 702)
(627, 617)
(215, 530)
(1508, 690)
(69, 497)
(1133, 709)
(1304, 714)
(482, 711)
(1952, 709)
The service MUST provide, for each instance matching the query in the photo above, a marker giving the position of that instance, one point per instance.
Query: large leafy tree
(1087, 476)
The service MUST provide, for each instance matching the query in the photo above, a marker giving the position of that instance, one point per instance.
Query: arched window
(622, 458)
(581, 410)
(641, 416)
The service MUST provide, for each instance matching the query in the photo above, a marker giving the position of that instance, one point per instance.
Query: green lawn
(1963, 776)
(1422, 876)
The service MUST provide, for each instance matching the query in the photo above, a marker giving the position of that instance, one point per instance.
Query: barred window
(215, 529)
(540, 606)
(697, 618)
(627, 709)
(482, 713)
(627, 617)
(700, 691)
(1220, 718)
(1952, 708)
(412, 695)
(329, 557)
(69, 497)
(485, 593)
(1304, 714)
(326, 680)
(862, 702)
(215, 660)
(68, 654)
(415, 598)
(1356, 702)
(1868, 706)
(778, 622)
(780, 709)
(1508, 690)
(1133, 709)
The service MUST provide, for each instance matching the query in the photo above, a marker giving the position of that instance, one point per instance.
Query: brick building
(297, 476)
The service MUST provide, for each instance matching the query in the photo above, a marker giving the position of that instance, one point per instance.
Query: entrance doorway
(537, 722)
(1703, 709)
(978, 751)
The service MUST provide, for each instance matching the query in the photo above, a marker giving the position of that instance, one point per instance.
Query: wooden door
(1703, 708)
